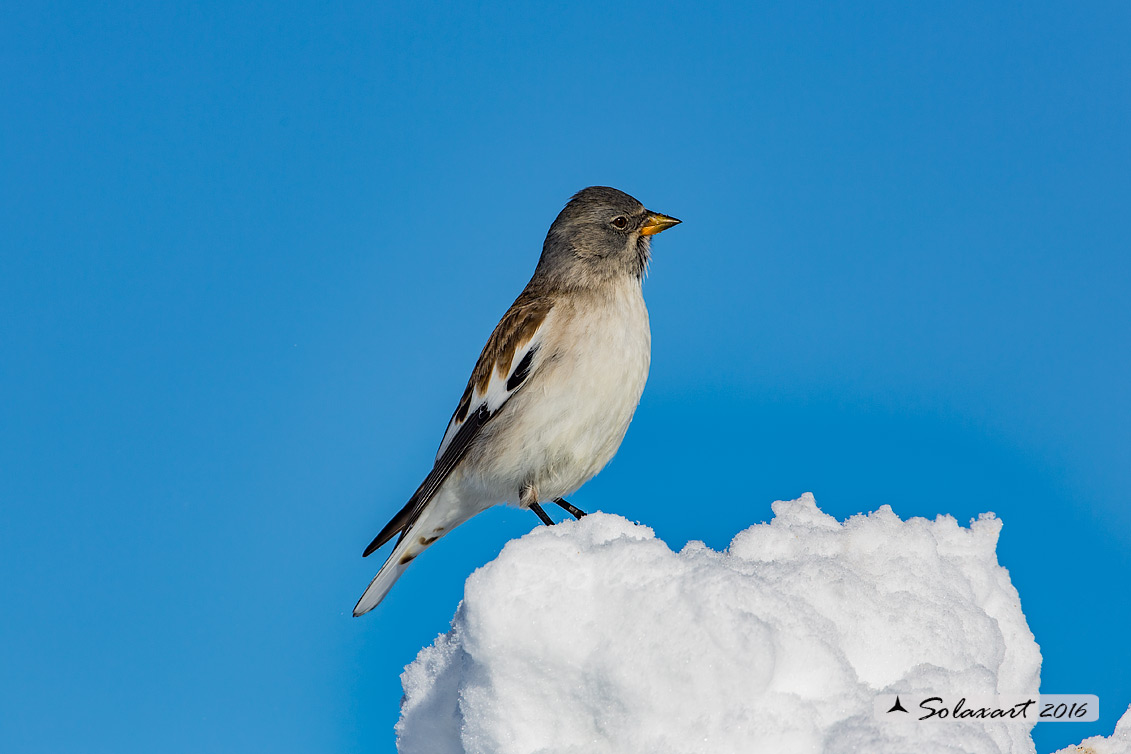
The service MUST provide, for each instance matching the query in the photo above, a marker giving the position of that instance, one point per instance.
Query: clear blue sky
(249, 253)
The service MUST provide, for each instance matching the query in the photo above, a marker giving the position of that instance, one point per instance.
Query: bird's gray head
(601, 235)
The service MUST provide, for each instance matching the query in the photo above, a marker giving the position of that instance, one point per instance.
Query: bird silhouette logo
(897, 707)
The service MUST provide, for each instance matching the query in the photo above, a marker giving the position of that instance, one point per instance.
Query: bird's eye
(620, 222)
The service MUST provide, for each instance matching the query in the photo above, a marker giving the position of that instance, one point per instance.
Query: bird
(555, 387)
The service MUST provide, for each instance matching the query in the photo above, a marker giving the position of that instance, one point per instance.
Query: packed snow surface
(594, 636)
(1118, 742)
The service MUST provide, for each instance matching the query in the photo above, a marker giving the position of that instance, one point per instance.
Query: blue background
(250, 253)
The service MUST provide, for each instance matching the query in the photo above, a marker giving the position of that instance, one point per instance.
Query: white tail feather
(394, 566)
(444, 513)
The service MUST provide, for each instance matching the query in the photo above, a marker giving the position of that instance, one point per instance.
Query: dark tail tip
(372, 546)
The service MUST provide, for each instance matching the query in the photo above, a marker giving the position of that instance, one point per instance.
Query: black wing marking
(522, 371)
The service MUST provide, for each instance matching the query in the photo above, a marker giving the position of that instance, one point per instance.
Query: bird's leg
(541, 514)
(573, 510)
(529, 498)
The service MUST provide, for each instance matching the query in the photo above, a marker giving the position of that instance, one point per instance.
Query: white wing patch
(503, 384)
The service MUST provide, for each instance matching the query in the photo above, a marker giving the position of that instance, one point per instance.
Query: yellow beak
(655, 222)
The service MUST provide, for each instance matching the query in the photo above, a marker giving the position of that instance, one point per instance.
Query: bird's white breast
(568, 422)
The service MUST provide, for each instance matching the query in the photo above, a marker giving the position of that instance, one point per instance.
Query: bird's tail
(407, 548)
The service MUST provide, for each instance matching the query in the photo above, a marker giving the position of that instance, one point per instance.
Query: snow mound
(1118, 742)
(593, 636)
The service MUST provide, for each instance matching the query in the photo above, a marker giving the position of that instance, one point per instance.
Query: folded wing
(513, 352)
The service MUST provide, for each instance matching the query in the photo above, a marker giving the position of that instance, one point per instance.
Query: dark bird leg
(529, 498)
(573, 510)
(541, 514)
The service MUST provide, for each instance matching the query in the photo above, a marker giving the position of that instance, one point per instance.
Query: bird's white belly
(564, 427)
